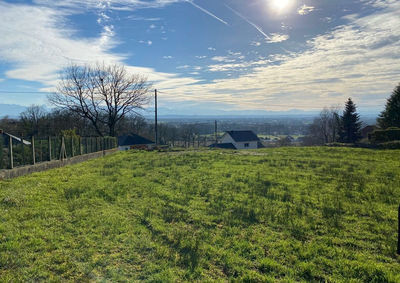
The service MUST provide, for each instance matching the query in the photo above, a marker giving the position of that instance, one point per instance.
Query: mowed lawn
(284, 214)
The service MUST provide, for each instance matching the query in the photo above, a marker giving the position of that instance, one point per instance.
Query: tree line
(332, 126)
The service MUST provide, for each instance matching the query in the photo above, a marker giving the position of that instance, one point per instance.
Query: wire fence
(20, 151)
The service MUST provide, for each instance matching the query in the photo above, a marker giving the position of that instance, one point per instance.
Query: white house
(239, 140)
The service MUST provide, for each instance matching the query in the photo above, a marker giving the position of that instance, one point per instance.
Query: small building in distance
(239, 140)
(134, 141)
(368, 130)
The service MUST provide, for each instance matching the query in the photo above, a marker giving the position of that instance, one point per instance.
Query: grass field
(284, 214)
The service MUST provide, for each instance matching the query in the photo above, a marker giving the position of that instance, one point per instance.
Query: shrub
(2, 163)
(381, 136)
(390, 145)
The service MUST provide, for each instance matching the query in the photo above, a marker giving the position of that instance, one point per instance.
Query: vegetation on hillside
(286, 214)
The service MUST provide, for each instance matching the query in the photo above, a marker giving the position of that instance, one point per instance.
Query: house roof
(243, 136)
(223, 145)
(133, 139)
(367, 129)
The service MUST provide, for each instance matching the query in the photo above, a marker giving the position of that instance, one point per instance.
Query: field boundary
(43, 166)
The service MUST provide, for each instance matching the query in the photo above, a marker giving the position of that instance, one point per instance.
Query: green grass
(285, 214)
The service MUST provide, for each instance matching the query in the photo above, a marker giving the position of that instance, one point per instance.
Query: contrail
(207, 12)
(249, 22)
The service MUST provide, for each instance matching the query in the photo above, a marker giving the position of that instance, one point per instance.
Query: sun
(281, 6)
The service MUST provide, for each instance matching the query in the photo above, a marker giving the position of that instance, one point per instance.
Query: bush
(381, 136)
(390, 145)
(2, 163)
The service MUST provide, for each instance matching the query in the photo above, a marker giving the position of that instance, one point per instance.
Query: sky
(210, 56)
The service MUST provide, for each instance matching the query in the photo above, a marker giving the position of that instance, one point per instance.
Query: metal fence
(19, 151)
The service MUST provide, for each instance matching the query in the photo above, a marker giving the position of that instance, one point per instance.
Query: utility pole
(215, 132)
(155, 113)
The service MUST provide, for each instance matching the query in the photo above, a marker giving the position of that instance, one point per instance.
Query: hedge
(383, 136)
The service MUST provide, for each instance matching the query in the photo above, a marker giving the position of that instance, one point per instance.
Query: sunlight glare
(280, 6)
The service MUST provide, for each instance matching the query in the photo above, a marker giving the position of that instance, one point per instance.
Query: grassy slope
(294, 214)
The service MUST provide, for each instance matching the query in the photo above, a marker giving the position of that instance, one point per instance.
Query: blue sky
(208, 56)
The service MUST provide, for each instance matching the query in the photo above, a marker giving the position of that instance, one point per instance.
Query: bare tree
(33, 118)
(325, 128)
(102, 94)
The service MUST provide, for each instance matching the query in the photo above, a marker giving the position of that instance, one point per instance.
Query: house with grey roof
(239, 140)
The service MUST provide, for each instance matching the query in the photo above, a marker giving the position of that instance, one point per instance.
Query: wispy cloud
(136, 18)
(115, 5)
(259, 29)
(47, 46)
(207, 12)
(304, 10)
(277, 37)
(359, 59)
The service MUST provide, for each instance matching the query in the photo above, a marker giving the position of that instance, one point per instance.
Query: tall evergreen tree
(350, 123)
(390, 117)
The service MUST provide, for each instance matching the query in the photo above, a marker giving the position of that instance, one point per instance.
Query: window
(246, 145)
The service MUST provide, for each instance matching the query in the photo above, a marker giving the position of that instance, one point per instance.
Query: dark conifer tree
(350, 123)
(390, 117)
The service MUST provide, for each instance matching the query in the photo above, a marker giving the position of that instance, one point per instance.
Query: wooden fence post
(80, 146)
(33, 150)
(10, 152)
(22, 152)
(63, 154)
(49, 140)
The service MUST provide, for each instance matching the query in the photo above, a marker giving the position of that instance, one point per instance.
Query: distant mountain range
(11, 110)
(14, 110)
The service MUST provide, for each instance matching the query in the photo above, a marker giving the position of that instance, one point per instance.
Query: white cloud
(222, 59)
(168, 57)
(255, 43)
(304, 10)
(136, 18)
(211, 48)
(148, 42)
(117, 5)
(359, 59)
(183, 67)
(277, 37)
(37, 43)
